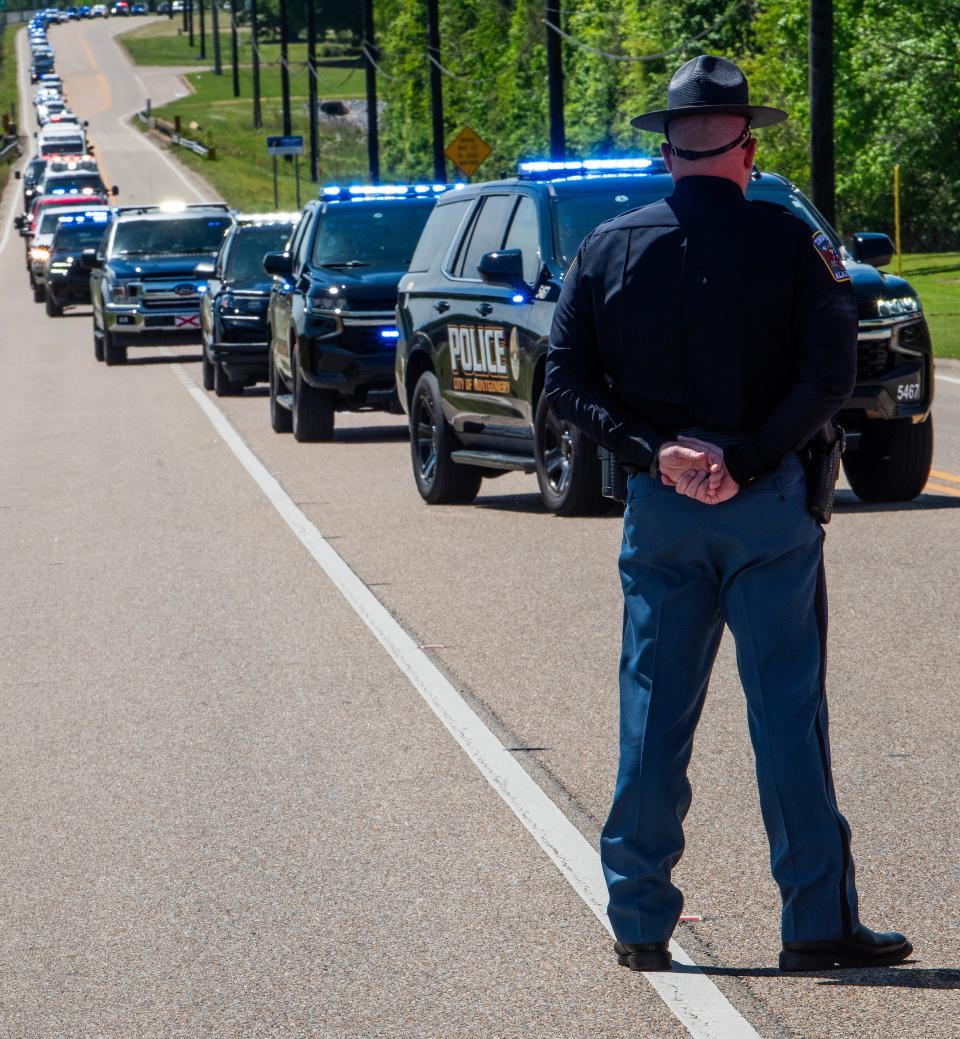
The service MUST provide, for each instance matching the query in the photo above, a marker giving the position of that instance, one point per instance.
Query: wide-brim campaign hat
(708, 85)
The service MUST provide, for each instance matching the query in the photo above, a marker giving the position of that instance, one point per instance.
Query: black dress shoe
(646, 956)
(863, 948)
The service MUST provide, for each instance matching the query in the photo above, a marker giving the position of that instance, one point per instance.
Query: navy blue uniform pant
(754, 563)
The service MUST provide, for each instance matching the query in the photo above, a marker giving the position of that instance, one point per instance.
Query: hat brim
(758, 115)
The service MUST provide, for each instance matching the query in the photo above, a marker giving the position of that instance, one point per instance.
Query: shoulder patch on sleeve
(830, 256)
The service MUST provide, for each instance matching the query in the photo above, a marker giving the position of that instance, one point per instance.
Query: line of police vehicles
(436, 301)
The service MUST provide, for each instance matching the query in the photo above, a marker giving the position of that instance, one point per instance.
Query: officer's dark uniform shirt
(704, 310)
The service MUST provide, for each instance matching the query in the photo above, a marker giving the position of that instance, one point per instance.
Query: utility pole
(284, 70)
(255, 47)
(233, 51)
(371, 55)
(558, 143)
(186, 8)
(189, 9)
(436, 91)
(215, 28)
(822, 177)
(312, 87)
(203, 32)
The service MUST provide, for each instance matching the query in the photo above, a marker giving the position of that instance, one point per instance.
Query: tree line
(897, 95)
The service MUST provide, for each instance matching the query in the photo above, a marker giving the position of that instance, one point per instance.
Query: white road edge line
(948, 378)
(691, 996)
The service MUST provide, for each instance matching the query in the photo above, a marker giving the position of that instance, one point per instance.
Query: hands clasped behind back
(695, 469)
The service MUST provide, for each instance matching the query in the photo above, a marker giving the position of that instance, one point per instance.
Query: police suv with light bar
(144, 284)
(332, 307)
(475, 310)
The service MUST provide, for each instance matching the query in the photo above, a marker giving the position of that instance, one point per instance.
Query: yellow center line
(934, 488)
(940, 475)
(107, 99)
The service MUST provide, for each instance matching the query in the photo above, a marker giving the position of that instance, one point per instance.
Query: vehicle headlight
(39, 253)
(118, 291)
(227, 302)
(898, 307)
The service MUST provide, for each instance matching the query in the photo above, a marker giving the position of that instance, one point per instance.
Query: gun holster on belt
(821, 458)
(613, 477)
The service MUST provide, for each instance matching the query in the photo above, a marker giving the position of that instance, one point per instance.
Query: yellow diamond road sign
(467, 150)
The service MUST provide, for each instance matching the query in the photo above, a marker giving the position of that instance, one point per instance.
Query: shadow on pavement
(372, 435)
(878, 977)
(848, 503)
(163, 359)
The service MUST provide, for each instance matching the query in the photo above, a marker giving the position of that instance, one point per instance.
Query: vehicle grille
(873, 358)
(388, 305)
(245, 335)
(160, 295)
(359, 339)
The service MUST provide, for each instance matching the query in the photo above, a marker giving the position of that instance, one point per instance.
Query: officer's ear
(667, 156)
(749, 153)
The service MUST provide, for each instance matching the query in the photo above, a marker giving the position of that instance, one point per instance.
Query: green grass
(9, 95)
(242, 171)
(936, 277)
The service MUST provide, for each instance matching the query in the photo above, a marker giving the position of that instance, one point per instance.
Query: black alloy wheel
(53, 308)
(568, 469)
(207, 366)
(281, 421)
(440, 480)
(313, 410)
(97, 344)
(222, 386)
(39, 292)
(893, 461)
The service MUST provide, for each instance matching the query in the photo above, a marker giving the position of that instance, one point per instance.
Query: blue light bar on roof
(360, 191)
(546, 169)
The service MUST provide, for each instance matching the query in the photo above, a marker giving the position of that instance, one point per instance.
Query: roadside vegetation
(9, 95)
(936, 277)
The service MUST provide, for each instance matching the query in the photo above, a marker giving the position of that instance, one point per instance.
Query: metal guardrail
(9, 144)
(169, 130)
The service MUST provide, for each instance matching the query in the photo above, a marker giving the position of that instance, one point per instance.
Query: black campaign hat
(708, 86)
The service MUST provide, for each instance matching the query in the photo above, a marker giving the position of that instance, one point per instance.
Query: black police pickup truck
(474, 315)
(332, 316)
(233, 310)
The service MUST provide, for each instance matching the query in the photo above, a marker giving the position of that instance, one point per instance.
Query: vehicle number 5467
(908, 391)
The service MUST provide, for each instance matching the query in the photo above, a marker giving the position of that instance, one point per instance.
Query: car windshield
(579, 212)
(85, 183)
(63, 146)
(74, 238)
(245, 260)
(369, 234)
(184, 235)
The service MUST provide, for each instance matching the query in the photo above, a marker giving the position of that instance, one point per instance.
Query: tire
(207, 371)
(281, 421)
(892, 464)
(568, 469)
(39, 292)
(53, 308)
(97, 345)
(313, 410)
(440, 480)
(222, 386)
(113, 352)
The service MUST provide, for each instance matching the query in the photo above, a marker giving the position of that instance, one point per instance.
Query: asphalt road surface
(228, 811)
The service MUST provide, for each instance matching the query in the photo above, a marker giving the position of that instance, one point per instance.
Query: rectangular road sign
(285, 145)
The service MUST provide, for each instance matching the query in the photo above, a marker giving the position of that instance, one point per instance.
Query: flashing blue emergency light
(518, 298)
(356, 192)
(549, 170)
(389, 333)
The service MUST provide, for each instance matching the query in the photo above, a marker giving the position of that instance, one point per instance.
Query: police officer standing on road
(703, 340)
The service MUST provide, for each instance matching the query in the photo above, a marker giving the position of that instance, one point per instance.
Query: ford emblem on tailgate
(185, 290)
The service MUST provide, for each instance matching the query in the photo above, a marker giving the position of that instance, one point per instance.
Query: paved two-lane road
(229, 813)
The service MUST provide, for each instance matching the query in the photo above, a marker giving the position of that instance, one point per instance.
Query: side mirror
(19, 222)
(114, 191)
(204, 269)
(17, 174)
(86, 122)
(278, 264)
(875, 249)
(90, 259)
(502, 268)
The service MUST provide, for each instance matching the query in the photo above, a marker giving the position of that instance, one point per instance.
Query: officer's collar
(716, 189)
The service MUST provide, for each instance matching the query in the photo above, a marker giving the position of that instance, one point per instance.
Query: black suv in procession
(475, 309)
(332, 316)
